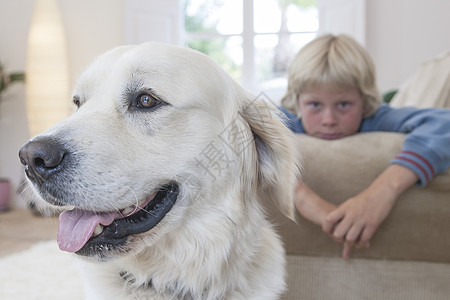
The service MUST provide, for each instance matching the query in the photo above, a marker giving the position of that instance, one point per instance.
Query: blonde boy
(332, 94)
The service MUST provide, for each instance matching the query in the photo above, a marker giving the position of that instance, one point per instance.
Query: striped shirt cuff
(418, 164)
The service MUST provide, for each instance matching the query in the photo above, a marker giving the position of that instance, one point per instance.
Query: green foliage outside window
(204, 20)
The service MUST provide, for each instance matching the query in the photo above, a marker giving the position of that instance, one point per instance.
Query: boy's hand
(355, 221)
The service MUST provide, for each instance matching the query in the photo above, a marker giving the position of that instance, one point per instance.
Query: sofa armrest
(417, 227)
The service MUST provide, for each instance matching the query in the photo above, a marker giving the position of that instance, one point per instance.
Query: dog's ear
(278, 162)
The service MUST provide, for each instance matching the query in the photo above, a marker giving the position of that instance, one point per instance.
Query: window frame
(248, 35)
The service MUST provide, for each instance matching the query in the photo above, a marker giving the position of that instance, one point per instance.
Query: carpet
(42, 272)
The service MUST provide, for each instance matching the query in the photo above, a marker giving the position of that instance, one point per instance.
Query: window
(253, 40)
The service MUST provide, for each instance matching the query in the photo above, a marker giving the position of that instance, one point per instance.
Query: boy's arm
(356, 220)
(426, 147)
(310, 205)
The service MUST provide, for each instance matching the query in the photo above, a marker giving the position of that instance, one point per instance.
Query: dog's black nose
(41, 158)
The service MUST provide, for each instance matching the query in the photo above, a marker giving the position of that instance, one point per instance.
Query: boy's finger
(342, 228)
(367, 233)
(331, 221)
(362, 244)
(347, 249)
(354, 233)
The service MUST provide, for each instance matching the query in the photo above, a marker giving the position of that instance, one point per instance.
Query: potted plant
(6, 79)
(5, 194)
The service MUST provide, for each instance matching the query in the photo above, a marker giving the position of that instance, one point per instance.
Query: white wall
(399, 35)
(403, 33)
(92, 27)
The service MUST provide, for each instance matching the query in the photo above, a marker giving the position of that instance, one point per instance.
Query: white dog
(164, 165)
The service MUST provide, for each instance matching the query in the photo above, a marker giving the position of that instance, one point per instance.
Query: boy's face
(330, 113)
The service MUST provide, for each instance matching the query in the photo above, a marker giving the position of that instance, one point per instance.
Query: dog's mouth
(88, 233)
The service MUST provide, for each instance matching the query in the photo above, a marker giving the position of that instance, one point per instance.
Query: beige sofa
(409, 257)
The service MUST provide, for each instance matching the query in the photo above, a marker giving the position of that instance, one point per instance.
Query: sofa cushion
(318, 278)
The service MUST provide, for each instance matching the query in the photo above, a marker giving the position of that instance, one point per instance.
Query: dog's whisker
(136, 202)
(25, 189)
(24, 184)
(117, 209)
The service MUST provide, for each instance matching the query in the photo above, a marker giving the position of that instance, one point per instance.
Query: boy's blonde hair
(334, 62)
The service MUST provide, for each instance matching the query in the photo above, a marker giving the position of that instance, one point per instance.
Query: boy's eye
(344, 104)
(314, 105)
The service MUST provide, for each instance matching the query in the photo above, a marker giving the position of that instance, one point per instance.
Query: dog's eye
(76, 100)
(147, 101)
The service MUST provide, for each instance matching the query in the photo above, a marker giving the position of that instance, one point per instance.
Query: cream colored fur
(216, 242)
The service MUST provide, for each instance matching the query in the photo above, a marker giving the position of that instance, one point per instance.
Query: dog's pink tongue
(76, 227)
